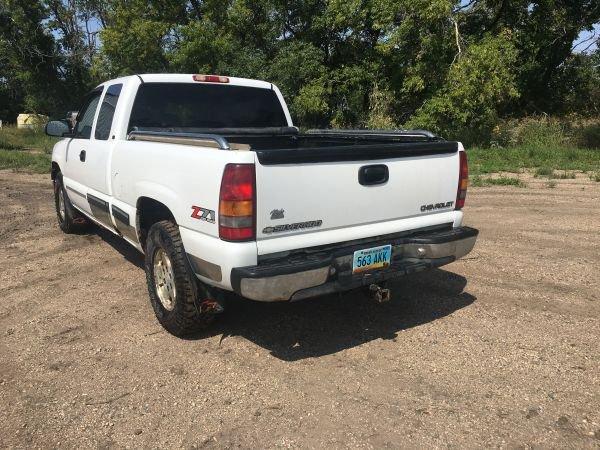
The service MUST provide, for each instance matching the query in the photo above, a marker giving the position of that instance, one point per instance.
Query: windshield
(195, 106)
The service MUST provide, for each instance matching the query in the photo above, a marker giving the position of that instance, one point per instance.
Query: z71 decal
(207, 215)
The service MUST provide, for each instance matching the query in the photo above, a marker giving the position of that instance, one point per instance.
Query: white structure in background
(31, 120)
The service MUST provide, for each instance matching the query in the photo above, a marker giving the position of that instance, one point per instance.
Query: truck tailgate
(340, 192)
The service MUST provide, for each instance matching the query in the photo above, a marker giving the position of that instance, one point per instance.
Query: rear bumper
(317, 273)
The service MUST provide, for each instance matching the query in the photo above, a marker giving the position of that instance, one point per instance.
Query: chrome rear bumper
(321, 273)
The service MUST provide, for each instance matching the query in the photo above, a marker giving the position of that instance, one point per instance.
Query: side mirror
(58, 128)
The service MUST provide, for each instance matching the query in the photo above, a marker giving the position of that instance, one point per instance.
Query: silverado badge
(293, 226)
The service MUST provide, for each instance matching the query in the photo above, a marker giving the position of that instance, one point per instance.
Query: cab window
(107, 112)
(193, 106)
(85, 118)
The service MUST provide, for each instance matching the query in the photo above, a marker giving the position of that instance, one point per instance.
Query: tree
(478, 84)
(28, 56)
(454, 66)
(46, 50)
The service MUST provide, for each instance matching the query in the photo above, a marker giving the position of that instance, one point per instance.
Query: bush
(544, 172)
(542, 132)
(479, 181)
(588, 136)
(530, 132)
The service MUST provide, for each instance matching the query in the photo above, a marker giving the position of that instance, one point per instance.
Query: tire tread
(186, 317)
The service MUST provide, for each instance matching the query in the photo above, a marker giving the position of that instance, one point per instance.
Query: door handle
(373, 175)
(82, 156)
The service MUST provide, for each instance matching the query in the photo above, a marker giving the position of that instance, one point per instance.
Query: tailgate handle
(373, 175)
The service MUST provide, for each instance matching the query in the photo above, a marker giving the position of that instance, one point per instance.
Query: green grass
(24, 161)
(544, 160)
(25, 149)
(477, 180)
(13, 138)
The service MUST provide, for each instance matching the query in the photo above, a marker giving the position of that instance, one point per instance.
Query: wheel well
(150, 211)
(54, 171)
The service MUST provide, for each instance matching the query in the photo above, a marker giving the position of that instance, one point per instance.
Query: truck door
(90, 152)
(102, 143)
(79, 153)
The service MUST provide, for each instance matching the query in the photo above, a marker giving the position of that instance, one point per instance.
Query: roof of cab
(188, 78)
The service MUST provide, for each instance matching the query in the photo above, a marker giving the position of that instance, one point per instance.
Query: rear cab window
(107, 112)
(190, 106)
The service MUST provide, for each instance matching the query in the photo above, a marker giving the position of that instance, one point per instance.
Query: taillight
(237, 203)
(463, 180)
(211, 78)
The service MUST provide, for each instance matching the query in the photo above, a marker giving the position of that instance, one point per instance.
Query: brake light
(463, 180)
(237, 203)
(211, 78)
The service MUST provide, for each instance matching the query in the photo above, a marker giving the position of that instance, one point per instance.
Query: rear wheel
(181, 303)
(69, 219)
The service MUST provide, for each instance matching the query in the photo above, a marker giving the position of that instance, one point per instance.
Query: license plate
(372, 258)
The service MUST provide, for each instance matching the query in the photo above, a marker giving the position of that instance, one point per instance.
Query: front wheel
(175, 294)
(69, 219)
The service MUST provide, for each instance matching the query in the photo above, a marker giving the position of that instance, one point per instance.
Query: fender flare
(157, 192)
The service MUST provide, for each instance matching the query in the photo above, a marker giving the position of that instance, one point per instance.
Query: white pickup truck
(208, 177)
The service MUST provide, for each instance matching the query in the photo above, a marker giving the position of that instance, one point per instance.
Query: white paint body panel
(179, 176)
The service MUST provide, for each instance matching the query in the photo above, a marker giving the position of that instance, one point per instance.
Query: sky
(580, 43)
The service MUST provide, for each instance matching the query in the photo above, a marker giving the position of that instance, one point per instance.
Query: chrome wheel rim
(164, 280)
(61, 205)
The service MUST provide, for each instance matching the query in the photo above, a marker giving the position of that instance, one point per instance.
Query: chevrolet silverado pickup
(207, 176)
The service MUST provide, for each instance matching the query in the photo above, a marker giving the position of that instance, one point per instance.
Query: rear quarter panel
(178, 176)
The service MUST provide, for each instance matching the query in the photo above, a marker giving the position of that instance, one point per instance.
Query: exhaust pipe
(379, 294)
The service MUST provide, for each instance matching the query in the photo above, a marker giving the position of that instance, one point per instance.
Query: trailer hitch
(379, 294)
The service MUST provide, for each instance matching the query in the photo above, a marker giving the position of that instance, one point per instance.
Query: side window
(85, 119)
(107, 112)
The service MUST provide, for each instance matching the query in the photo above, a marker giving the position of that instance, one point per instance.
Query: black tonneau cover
(286, 145)
(354, 152)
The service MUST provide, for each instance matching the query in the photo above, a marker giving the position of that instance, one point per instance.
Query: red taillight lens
(463, 180)
(211, 78)
(237, 203)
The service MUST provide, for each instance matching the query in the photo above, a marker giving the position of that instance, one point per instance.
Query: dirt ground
(500, 349)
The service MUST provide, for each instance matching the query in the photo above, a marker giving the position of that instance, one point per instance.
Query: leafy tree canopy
(451, 66)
